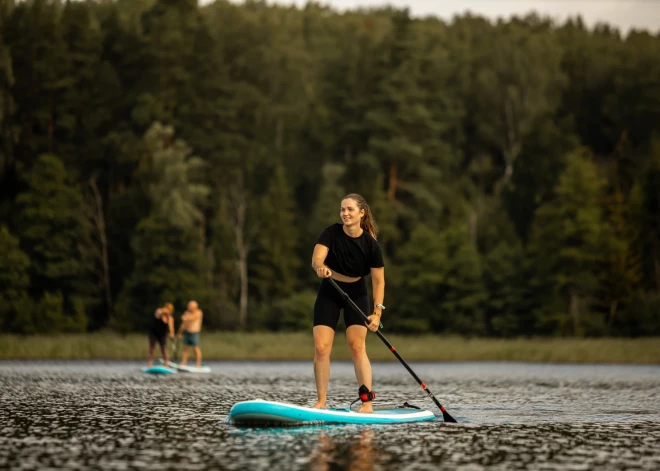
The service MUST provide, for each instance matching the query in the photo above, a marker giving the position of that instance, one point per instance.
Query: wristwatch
(380, 306)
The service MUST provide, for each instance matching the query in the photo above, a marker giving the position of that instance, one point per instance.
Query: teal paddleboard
(260, 413)
(159, 370)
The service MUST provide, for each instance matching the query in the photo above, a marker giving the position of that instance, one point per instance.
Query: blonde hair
(169, 307)
(367, 223)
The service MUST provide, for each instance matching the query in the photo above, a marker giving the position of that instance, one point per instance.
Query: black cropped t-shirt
(350, 256)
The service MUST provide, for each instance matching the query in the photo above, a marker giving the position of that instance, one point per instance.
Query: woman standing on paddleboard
(347, 253)
(162, 324)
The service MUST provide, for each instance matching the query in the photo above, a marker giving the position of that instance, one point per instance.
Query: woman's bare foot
(319, 405)
(367, 408)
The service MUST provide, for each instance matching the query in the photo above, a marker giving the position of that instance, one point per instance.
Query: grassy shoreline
(299, 346)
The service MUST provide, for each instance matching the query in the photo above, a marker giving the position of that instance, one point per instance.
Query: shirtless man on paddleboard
(191, 326)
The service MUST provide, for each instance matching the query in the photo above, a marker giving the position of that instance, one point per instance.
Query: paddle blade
(447, 417)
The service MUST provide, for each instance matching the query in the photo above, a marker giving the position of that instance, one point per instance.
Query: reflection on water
(356, 454)
(83, 415)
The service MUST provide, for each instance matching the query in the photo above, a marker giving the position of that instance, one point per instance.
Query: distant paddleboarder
(347, 253)
(191, 326)
(161, 324)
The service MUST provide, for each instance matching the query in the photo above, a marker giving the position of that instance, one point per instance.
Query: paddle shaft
(174, 344)
(445, 414)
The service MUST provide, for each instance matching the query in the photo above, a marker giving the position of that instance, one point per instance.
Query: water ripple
(107, 415)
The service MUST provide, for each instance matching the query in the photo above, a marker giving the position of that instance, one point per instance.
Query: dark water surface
(109, 415)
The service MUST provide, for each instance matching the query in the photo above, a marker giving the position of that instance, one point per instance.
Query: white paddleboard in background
(187, 368)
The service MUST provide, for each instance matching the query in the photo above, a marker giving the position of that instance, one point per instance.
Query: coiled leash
(364, 395)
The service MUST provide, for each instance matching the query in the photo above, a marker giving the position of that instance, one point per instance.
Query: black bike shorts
(329, 303)
(153, 338)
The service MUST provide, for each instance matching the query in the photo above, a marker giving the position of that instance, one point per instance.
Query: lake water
(109, 415)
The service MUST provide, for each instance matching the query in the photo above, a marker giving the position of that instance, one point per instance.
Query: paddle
(173, 343)
(445, 414)
(177, 352)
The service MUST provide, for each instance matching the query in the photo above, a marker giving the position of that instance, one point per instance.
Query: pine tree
(82, 111)
(277, 265)
(169, 244)
(168, 268)
(386, 213)
(51, 229)
(8, 135)
(16, 307)
(40, 66)
(518, 81)
(398, 119)
(440, 283)
(566, 247)
(621, 272)
(650, 218)
(328, 201)
(169, 29)
(172, 177)
(505, 283)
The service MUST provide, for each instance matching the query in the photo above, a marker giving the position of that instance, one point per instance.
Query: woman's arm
(378, 285)
(170, 322)
(318, 264)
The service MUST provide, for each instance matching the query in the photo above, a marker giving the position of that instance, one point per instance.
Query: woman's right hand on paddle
(323, 272)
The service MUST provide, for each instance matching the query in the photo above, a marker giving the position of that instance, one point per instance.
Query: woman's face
(350, 213)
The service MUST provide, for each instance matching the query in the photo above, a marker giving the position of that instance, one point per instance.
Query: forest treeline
(160, 150)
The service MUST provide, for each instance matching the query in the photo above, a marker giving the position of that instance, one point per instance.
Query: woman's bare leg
(150, 357)
(323, 338)
(163, 351)
(356, 336)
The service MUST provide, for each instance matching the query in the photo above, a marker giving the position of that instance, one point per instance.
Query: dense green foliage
(159, 150)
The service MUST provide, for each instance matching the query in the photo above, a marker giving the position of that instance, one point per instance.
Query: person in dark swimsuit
(347, 253)
(162, 325)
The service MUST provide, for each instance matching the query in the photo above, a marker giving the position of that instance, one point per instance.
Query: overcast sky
(624, 14)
